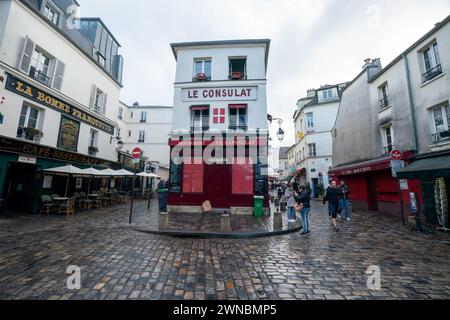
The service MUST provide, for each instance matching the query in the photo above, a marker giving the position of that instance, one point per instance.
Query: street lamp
(280, 132)
(120, 143)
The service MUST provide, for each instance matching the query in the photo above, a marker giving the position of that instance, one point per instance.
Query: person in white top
(290, 199)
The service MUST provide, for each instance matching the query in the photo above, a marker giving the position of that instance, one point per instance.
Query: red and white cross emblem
(219, 115)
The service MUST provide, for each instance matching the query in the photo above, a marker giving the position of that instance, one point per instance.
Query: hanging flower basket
(236, 75)
(201, 77)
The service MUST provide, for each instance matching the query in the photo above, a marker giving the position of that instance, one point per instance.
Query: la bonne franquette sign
(220, 94)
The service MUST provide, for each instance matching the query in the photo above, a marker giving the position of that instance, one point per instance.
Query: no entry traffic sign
(396, 155)
(136, 153)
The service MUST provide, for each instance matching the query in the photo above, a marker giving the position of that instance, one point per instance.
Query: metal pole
(132, 192)
(150, 194)
(401, 203)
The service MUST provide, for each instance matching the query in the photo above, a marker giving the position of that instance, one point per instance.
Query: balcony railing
(441, 136)
(240, 128)
(312, 154)
(199, 129)
(385, 102)
(39, 76)
(143, 121)
(201, 77)
(237, 76)
(432, 73)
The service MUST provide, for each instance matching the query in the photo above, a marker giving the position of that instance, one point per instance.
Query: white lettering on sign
(220, 94)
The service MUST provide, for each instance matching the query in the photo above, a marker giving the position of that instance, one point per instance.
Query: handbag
(298, 207)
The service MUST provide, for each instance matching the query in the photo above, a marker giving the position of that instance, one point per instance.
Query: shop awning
(199, 108)
(362, 167)
(65, 170)
(124, 173)
(148, 175)
(427, 168)
(94, 172)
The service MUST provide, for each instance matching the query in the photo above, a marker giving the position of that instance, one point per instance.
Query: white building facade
(59, 92)
(220, 100)
(314, 119)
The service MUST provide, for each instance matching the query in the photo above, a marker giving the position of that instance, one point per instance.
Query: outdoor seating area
(98, 192)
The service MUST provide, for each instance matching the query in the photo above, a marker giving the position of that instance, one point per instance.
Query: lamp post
(280, 132)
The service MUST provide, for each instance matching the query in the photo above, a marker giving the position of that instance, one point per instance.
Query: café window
(238, 68)
(143, 118)
(29, 124)
(242, 177)
(51, 14)
(199, 118)
(193, 178)
(202, 69)
(441, 121)
(40, 66)
(238, 117)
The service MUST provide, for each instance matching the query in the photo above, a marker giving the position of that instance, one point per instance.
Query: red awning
(199, 108)
(238, 106)
(362, 167)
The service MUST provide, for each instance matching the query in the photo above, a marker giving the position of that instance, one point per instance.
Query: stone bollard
(225, 223)
(277, 202)
(277, 221)
(163, 221)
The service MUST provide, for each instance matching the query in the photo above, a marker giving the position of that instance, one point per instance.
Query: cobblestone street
(119, 263)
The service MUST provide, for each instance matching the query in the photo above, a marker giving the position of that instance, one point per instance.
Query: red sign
(136, 153)
(396, 155)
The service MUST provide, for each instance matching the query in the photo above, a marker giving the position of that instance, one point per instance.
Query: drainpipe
(411, 103)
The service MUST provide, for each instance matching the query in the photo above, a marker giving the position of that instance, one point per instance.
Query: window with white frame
(327, 94)
(120, 116)
(388, 138)
(441, 122)
(28, 124)
(310, 120)
(98, 100)
(141, 136)
(384, 96)
(431, 62)
(312, 150)
(238, 117)
(93, 142)
(200, 118)
(51, 14)
(40, 66)
(202, 69)
(143, 116)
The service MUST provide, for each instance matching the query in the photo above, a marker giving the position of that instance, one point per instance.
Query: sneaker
(339, 217)
(336, 229)
(303, 233)
(348, 219)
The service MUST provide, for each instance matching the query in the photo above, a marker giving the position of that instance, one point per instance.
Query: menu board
(68, 134)
(261, 179)
(175, 178)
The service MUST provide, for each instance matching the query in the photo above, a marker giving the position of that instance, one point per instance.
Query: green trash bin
(258, 206)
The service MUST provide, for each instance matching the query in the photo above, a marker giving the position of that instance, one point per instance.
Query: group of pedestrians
(298, 200)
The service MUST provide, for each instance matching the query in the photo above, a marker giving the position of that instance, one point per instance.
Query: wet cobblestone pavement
(119, 263)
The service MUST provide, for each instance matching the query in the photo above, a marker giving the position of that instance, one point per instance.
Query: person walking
(290, 200)
(332, 197)
(344, 192)
(304, 199)
(280, 191)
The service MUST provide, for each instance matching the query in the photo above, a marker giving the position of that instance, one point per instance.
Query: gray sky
(314, 42)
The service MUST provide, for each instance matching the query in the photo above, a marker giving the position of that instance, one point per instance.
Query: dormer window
(238, 68)
(51, 14)
(327, 94)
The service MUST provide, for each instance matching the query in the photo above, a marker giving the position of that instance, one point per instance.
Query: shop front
(23, 181)
(433, 173)
(228, 180)
(374, 187)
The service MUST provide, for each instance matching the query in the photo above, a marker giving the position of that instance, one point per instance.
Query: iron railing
(432, 73)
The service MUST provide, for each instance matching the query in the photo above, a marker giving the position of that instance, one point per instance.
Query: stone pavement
(119, 263)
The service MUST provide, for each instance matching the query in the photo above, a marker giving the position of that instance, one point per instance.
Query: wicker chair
(48, 206)
(68, 207)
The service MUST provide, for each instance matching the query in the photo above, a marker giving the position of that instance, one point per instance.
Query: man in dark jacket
(304, 199)
(344, 192)
(332, 197)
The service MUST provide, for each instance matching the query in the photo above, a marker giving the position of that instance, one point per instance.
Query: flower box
(201, 77)
(236, 75)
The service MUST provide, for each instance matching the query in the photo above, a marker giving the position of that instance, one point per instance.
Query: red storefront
(373, 187)
(229, 184)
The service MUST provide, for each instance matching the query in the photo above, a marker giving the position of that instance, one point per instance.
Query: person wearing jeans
(304, 199)
(289, 196)
(344, 192)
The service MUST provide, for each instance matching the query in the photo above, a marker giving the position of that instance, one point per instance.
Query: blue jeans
(291, 213)
(305, 219)
(343, 205)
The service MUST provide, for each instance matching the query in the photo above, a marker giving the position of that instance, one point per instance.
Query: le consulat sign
(25, 89)
(220, 94)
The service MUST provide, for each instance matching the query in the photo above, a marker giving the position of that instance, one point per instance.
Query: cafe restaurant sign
(220, 94)
(24, 89)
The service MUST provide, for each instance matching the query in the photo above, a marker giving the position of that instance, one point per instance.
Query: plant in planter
(237, 75)
(93, 149)
(201, 76)
(33, 134)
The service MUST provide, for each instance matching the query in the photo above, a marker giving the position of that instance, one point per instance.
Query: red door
(372, 199)
(218, 186)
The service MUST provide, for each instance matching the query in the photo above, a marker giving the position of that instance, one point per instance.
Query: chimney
(373, 66)
(311, 93)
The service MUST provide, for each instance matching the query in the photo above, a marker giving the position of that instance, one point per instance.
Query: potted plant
(93, 149)
(201, 76)
(33, 133)
(236, 75)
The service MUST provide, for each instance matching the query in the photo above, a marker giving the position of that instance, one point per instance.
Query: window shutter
(105, 99)
(25, 60)
(93, 92)
(59, 74)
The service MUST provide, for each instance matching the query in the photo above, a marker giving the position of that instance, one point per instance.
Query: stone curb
(219, 235)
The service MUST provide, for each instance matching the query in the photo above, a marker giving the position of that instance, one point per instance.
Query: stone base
(237, 211)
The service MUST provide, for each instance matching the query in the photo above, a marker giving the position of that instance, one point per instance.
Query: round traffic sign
(396, 155)
(136, 153)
